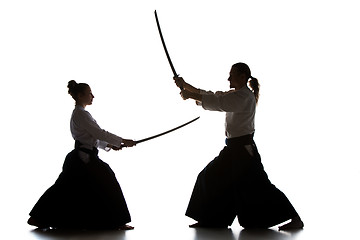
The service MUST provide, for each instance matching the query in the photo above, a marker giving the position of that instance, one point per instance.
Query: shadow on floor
(253, 234)
(199, 234)
(57, 234)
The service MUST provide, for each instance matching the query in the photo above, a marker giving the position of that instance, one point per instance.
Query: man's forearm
(191, 88)
(196, 96)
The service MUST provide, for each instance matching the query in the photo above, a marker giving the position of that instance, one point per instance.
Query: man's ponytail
(255, 87)
(253, 82)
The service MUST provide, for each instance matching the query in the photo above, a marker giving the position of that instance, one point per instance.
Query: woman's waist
(85, 147)
(241, 140)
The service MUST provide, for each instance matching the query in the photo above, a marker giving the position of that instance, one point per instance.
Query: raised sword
(165, 48)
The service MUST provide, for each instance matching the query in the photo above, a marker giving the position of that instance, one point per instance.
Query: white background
(305, 55)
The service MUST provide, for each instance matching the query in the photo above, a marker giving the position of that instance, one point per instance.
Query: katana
(164, 45)
(161, 134)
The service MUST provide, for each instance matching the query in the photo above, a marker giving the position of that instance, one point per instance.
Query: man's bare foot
(294, 224)
(126, 227)
(195, 225)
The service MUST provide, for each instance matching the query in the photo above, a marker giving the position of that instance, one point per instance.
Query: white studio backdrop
(304, 53)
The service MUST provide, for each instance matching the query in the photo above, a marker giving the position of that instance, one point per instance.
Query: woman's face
(86, 97)
(237, 80)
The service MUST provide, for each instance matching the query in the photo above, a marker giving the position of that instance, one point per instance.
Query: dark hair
(76, 88)
(253, 82)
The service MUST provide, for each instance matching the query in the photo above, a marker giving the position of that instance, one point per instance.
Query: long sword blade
(171, 130)
(164, 45)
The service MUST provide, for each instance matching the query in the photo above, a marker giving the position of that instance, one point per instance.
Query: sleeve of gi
(105, 137)
(231, 101)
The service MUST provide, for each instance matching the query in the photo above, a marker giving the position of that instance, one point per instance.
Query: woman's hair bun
(71, 85)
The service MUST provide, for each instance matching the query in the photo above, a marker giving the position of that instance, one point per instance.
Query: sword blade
(164, 45)
(161, 134)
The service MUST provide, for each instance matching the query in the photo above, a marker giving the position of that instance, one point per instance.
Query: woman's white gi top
(85, 129)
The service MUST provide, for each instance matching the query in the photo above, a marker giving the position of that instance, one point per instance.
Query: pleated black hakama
(85, 196)
(235, 184)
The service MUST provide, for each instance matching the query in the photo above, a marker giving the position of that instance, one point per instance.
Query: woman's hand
(116, 148)
(128, 143)
(125, 143)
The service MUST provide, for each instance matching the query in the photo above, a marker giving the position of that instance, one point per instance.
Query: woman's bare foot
(126, 227)
(35, 223)
(294, 224)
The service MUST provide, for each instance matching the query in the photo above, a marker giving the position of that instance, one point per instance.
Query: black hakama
(85, 196)
(235, 184)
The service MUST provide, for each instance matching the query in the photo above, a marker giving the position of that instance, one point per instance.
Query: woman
(235, 183)
(86, 194)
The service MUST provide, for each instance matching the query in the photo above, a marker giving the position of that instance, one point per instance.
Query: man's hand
(185, 94)
(179, 81)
